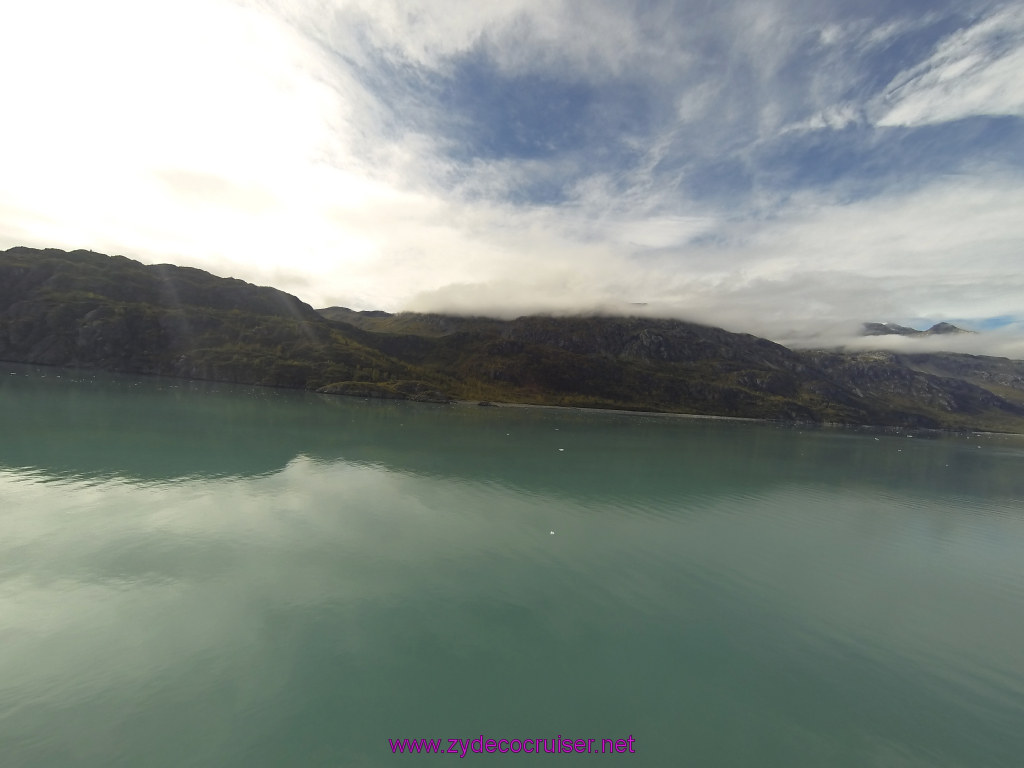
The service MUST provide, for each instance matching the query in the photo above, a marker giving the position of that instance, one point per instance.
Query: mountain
(891, 329)
(87, 309)
(90, 310)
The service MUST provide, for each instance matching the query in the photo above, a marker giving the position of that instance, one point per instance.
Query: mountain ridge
(90, 310)
(892, 329)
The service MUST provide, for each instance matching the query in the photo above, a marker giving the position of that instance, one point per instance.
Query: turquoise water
(206, 575)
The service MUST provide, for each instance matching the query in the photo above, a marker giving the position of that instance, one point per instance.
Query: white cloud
(245, 139)
(192, 132)
(998, 343)
(594, 40)
(815, 271)
(975, 71)
(695, 102)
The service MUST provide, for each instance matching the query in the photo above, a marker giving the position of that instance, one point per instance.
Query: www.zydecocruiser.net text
(481, 744)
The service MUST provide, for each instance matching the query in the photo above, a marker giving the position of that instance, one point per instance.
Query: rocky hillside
(90, 310)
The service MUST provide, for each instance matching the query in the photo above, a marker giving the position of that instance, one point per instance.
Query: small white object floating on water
(561, 449)
(552, 533)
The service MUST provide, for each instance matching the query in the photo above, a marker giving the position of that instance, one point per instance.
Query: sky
(788, 168)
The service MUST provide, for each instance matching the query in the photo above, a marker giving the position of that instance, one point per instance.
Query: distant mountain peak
(892, 329)
(946, 328)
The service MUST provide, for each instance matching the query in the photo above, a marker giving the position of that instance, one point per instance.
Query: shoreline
(580, 409)
(621, 411)
(889, 429)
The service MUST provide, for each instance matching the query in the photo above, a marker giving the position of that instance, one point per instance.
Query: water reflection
(81, 425)
(208, 575)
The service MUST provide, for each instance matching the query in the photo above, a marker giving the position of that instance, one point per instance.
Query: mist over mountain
(108, 312)
(892, 329)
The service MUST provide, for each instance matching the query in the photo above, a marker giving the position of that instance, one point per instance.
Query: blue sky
(788, 169)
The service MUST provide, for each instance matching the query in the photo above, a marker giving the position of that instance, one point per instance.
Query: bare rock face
(945, 328)
(887, 329)
(891, 329)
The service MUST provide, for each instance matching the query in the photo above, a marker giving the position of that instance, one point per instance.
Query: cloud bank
(784, 168)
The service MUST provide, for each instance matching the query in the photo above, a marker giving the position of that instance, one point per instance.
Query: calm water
(201, 575)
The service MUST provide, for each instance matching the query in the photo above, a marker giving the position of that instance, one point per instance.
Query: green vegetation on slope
(87, 309)
(91, 310)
